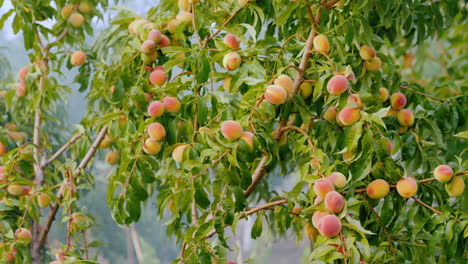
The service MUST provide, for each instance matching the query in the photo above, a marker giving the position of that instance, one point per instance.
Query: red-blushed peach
(330, 114)
(151, 146)
(2, 174)
(355, 100)
(113, 157)
(337, 119)
(156, 109)
(154, 35)
(348, 157)
(158, 77)
(275, 94)
(232, 61)
(373, 65)
(329, 226)
(317, 216)
(43, 200)
(398, 101)
(11, 255)
(337, 85)
(76, 19)
(85, 7)
(227, 84)
(378, 189)
(350, 75)
(23, 236)
(349, 116)
(15, 189)
(112, 89)
(387, 145)
(172, 25)
(248, 137)
(164, 42)
(21, 89)
(443, 173)
(26, 190)
(285, 82)
(67, 10)
(184, 16)
(322, 187)
(156, 131)
(231, 130)
(334, 202)
(405, 117)
(231, 41)
(178, 153)
(55, 262)
(321, 43)
(147, 46)
(407, 187)
(338, 179)
(171, 104)
(456, 187)
(78, 58)
(23, 72)
(408, 60)
(366, 52)
(306, 89)
(383, 94)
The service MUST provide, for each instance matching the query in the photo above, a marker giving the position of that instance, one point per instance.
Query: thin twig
(194, 25)
(427, 206)
(62, 149)
(300, 130)
(211, 165)
(257, 175)
(403, 87)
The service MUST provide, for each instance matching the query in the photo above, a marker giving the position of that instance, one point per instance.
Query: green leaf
(257, 227)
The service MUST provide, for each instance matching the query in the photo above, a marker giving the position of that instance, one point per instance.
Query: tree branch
(403, 87)
(211, 165)
(62, 149)
(195, 25)
(257, 175)
(426, 205)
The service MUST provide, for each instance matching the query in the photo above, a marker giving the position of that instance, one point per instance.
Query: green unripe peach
(306, 89)
(337, 85)
(135, 25)
(330, 114)
(178, 153)
(184, 4)
(172, 25)
(349, 116)
(15, 189)
(378, 189)
(334, 202)
(43, 200)
(285, 82)
(76, 19)
(113, 157)
(150, 57)
(275, 94)
(383, 94)
(405, 117)
(407, 187)
(456, 187)
(373, 65)
(231, 130)
(106, 142)
(322, 187)
(85, 7)
(67, 11)
(156, 131)
(338, 179)
(398, 101)
(227, 84)
(151, 146)
(367, 53)
(321, 43)
(184, 16)
(231, 61)
(443, 173)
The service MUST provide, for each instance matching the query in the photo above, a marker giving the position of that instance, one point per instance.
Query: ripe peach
(150, 57)
(405, 117)
(156, 131)
(165, 41)
(171, 104)
(367, 53)
(21, 89)
(11, 255)
(334, 202)
(349, 116)
(231, 41)
(184, 16)
(55, 262)
(231, 130)
(456, 187)
(350, 75)
(306, 89)
(67, 10)
(147, 46)
(227, 84)
(248, 137)
(135, 25)
(3, 149)
(378, 189)
(391, 112)
(155, 35)
(106, 142)
(23, 72)
(348, 157)
(76, 19)
(355, 100)
(15, 189)
(337, 85)
(373, 65)
(172, 25)
(310, 231)
(78, 58)
(285, 82)
(158, 77)
(85, 7)
(330, 114)
(398, 101)
(383, 94)
(443, 173)
(275, 94)
(156, 109)
(407, 187)
(317, 216)
(43, 200)
(338, 179)
(296, 210)
(151, 146)
(322, 187)
(178, 153)
(26, 190)
(23, 236)
(113, 157)
(231, 61)
(321, 43)
(329, 226)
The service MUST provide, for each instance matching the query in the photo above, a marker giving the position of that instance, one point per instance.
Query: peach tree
(202, 104)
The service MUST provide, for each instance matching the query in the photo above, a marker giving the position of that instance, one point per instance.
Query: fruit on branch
(398, 101)
(78, 58)
(248, 137)
(43, 200)
(405, 117)
(26, 190)
(151, 146)
(178, 153)
(387, 145)
(383, 94)
(231, 61)
(338, 179)
(355, 100)
(85, 7)
(23, 236)
(106, 142)
(407, 187)
(456, 187)
(378, 189)
(123, 120)
(402, 129)
(172, 25)
(275, 94)
(227, 84)
(231, 130)
(156, 131)
(150, 57)
(367, 53)
(184, 4)
(317, 216)
(155, 35)
(330, 114)
(156, 109)
(147, 46)
(21, 89)
(171, 104)
(231, 41)
(348, 157)
(349, 116)
(15, 189)
(158, 77)
(113, 157)
(329, 226)
(334, 202)
(11, 255)
(321, 43)
(296, 210)
(23, 72)
(443, 173)
(165, 41)
(67, 10)
(322, 187)
(337, 85)
(76, 19)
(135, 25)
(310, 231)
(285, 82)
(373, 65)
(3, 149)
(184, 16)
(306, 89)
